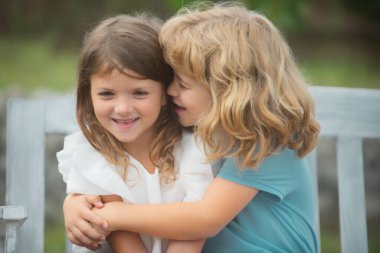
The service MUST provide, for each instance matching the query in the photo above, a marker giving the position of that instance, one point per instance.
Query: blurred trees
(65, 19)
(35, 17)
(366, 8)
(69, 18)
(323, 31)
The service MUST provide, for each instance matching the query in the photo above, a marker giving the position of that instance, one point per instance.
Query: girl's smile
(178, 108)
(127, 106)
(191, 99)
(125, 123)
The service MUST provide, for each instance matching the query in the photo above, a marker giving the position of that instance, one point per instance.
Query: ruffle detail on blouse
(86, 171)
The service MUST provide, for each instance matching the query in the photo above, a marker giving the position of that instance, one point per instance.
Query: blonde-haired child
(237, 83)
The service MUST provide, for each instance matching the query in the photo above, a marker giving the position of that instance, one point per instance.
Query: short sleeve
(277, 175)
(86, 171)
(65, 156)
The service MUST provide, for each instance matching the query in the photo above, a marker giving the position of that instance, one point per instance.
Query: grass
(30, 65)
(330, 241)
(54, 238)
(333, 66)
(35, 64)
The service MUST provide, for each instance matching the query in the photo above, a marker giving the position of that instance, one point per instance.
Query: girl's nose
(123, 106)
(173, 88)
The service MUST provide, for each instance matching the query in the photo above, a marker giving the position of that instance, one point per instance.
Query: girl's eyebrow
(181, 80)
(103, 88)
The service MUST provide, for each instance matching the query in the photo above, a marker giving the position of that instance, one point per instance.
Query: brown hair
(126, 42)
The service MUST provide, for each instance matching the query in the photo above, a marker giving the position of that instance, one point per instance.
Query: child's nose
(123, 106)
(173, 89)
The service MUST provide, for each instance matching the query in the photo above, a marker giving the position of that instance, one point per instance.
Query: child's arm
(185, 246)
(181, 221)
(185, 220)
(123, 241)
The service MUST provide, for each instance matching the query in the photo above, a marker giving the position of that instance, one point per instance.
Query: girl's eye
(105, 94)
(140, 93)
(181, 84)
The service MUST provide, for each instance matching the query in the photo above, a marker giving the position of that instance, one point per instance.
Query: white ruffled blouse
(86, 171)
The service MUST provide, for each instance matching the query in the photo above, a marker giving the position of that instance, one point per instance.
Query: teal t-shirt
(280, 217)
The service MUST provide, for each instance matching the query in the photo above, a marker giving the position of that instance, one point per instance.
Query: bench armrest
(11, 217)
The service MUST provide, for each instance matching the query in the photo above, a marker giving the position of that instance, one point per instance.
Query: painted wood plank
(347, 111)
(312, 160)
(60, 117)
(25, 179)
(352, 210)
(11, 217)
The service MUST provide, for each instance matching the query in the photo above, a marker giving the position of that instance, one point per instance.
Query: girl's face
(127, 107)
(190, 98)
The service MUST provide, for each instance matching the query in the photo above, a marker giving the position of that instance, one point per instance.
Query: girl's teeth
(125, 121)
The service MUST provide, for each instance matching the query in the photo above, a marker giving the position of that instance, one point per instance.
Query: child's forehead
(183, 74)
(107, 69)
(190, 79)
(178, 70)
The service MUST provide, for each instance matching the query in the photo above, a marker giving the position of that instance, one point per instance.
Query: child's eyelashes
(180, 83)
(140, 93)
(105, 94)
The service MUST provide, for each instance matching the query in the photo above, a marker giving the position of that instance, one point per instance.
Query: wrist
(115, 215)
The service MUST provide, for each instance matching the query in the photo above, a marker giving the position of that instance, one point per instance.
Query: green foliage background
(335, 42)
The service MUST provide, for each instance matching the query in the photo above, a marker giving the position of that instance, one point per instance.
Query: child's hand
(79, 219)
(111, 214)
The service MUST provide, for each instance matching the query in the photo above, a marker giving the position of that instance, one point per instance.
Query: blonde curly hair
(260, 101)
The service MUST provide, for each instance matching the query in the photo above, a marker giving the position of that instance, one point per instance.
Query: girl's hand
(111, 213)
(81, 221)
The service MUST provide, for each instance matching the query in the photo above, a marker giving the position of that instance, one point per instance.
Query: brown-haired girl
(129, 147)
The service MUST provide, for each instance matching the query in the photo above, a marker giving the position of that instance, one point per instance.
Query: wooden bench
(28, 123)
(347, 115)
